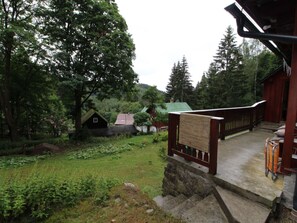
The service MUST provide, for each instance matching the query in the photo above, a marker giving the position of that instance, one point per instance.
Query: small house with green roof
(169, 107)
(93, 120)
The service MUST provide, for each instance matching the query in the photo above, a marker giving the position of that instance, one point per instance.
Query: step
(161, 201)
(242, 209)
(187, 204)
(172, 203)
(205, 211)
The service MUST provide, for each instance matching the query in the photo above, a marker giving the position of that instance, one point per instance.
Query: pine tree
(171, 87)
(227, 84)
(180, 87)
(230, 69)
(201, 93)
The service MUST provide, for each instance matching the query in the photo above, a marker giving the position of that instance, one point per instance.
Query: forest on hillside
(61, 59)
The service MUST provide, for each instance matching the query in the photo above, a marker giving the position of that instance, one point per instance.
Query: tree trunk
(77, 111)
(5, 95)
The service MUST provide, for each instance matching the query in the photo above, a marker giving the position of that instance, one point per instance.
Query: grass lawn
(140, 164)
(137, 160)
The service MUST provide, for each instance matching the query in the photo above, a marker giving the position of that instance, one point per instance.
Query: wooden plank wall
(274, 89)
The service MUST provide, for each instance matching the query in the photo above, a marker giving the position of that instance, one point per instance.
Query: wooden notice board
(194, 131)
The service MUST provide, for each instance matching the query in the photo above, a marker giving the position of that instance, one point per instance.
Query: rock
(131, 186)
(149, 211)
(118, 200)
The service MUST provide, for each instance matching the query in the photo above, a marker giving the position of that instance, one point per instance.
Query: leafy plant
(38, 198)
(99, 151)
(160, 136)
(18, 161)
(163, 153)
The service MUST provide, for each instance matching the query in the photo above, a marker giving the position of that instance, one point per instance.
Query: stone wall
(182, 177)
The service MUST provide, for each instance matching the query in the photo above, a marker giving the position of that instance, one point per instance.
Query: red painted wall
(274, 93)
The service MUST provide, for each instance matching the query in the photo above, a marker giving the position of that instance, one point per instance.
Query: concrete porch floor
(241, 167)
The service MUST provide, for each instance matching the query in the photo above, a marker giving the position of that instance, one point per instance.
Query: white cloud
(166, 30)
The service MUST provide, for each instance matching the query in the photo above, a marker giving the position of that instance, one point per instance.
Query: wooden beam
(173, 120)
(292, 106)
(213, 146)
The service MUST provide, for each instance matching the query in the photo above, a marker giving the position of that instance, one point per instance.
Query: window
(95, 120)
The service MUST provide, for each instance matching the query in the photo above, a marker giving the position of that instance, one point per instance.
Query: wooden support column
(173, 120)
(213, 145)
(292, 107)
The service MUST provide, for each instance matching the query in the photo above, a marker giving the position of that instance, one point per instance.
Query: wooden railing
(236, 119)
(224, 122)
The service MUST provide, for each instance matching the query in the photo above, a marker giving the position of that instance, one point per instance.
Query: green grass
(138, 163)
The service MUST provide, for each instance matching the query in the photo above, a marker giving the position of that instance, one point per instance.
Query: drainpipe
(263, 36)
(243, 21)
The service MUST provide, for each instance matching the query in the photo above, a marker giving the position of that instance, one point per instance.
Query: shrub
(18, 161)
(163, 153)
(98, 151)
(160, 136)
(39, 197)
(141, 117)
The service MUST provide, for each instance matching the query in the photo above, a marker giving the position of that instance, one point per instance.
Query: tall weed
(39, 197)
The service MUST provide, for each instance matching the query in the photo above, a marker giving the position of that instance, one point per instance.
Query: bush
(160, 136)
(39, 197)
(163, 153)
(19, 161)
(141, 117)
(99, 151)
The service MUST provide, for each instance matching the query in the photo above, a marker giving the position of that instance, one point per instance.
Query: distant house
(98, 125)
(275, 92)
(125, 119)
(93, 120)
(169, 107)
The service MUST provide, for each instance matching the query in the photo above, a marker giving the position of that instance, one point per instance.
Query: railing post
(222, 129)
(213, 146)
(252, 110)
(173, 121)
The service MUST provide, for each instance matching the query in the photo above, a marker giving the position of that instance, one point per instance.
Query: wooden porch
(237, 161)
(241, 167)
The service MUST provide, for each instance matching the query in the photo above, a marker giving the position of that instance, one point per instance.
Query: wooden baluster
(205, 157)
(194, 153)
(213, 146)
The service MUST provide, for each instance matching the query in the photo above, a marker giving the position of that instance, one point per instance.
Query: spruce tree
(227, 84)
(171, 86)
(230, 70)
(180, 87)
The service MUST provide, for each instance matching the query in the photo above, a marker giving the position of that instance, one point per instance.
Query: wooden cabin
(93, 120)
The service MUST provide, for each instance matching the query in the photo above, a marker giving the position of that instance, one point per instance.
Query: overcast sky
(164, 31)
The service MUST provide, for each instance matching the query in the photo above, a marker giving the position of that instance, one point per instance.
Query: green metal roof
(172, 107)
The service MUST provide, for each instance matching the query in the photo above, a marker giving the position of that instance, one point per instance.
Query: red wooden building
(276, 22)
(275, 92)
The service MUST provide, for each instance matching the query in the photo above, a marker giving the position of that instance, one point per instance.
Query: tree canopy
(92, 50)
(60, 49)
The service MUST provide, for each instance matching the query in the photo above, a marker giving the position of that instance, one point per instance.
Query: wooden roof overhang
(277, 22)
